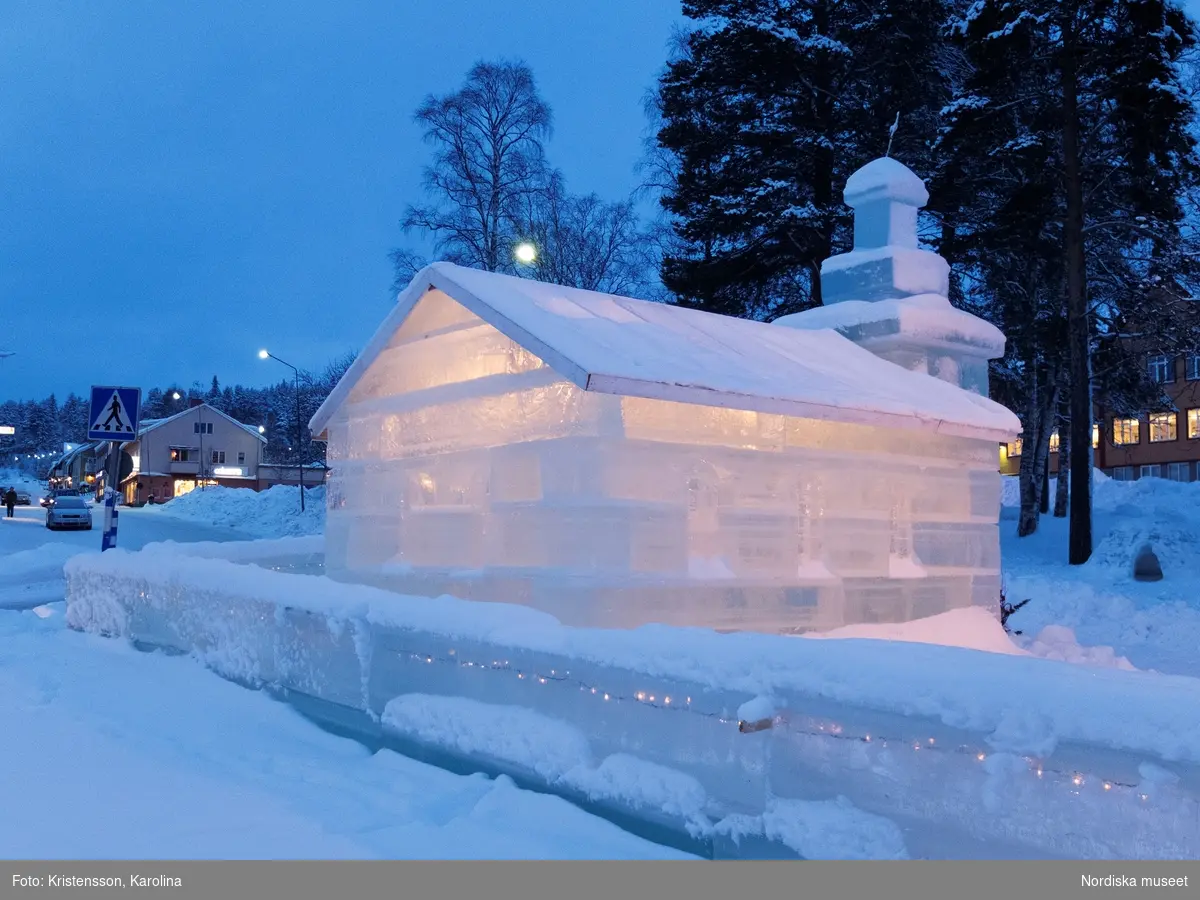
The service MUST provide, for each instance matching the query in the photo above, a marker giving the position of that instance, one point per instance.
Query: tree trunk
(1061, 496)
(1078, 330)
(1035, 451)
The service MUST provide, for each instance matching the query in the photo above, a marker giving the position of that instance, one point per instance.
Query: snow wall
(726, 745)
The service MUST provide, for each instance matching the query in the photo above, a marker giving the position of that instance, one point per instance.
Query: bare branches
(488, 157)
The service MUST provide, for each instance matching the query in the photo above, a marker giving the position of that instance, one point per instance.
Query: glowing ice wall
(463, 465)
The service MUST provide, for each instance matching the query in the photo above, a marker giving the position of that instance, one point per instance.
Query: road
(31, 556)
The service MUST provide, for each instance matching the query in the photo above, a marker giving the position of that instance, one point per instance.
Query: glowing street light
(263, 354)
(262, 429)
(526, 253)
(175, 396)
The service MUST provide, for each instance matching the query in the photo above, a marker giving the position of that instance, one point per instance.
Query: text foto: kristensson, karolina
(90, 881)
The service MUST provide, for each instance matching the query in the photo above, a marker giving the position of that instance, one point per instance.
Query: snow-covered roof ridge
(619, 345)
(147, 425)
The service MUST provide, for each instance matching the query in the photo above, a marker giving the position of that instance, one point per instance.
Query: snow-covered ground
(1075, 612)
(120, 754)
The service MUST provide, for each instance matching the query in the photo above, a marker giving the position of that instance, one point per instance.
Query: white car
(69, 512)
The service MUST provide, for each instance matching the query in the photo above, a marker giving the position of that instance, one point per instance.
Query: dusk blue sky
(183, 183)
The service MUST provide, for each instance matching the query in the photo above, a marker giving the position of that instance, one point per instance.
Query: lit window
(1095, 436)
(1014, 447)
(1193, 367)
(1162, 427)
(1126, 431)
(1193, 424)
(1159, 368)
(1054, 442)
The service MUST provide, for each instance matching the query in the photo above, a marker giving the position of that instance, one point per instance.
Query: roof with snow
(618, 345)
(885, 179)
(147, 425)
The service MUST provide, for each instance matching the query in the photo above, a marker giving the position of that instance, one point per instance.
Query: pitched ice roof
(617, 345)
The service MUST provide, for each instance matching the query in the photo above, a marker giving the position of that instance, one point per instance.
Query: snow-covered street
(131, 755)
(34, 555)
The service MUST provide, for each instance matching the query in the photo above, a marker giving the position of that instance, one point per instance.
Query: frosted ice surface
(616, 463)
(616, 512)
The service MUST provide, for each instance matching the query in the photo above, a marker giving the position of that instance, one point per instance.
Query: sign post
(114, 418)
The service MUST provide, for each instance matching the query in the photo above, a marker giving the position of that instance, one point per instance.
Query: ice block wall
(463, 465)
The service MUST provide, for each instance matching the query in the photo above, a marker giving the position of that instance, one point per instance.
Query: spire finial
(892, 135)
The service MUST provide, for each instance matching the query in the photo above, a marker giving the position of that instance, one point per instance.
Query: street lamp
(265, 354)
(175, 396)
(526, 253)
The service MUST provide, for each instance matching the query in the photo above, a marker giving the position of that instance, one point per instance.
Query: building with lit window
(196, 447)
(1158, 443)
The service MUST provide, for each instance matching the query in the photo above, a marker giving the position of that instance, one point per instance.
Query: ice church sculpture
(616, 462)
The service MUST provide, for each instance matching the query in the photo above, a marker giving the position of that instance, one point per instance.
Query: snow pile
(274, 512)
(1174, 544)
(1059, 642)
(974, 628)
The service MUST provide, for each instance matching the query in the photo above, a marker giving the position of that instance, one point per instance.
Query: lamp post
(265, 354)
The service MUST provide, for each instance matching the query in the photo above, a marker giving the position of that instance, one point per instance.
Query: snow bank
(958, 687)
(973, 628)
(274, 512)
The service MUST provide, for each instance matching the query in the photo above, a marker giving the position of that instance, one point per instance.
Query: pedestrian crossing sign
(114, 414)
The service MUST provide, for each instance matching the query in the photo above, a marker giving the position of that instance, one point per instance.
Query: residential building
(199, 446)
(78, 467)
(1158, 443)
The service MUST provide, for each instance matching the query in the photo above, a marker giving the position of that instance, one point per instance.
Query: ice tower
(889, 295)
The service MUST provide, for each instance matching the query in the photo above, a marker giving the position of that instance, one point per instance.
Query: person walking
(10, 501)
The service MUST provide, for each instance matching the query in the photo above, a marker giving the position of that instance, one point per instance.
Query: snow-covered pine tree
(769, 107)
(1072, 132)
(73, 419)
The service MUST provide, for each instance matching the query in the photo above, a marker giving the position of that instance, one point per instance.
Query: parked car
(68, 512)
(54, 493)
(23, 498)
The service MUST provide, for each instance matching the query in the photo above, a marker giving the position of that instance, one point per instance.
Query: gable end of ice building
(889, 296)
